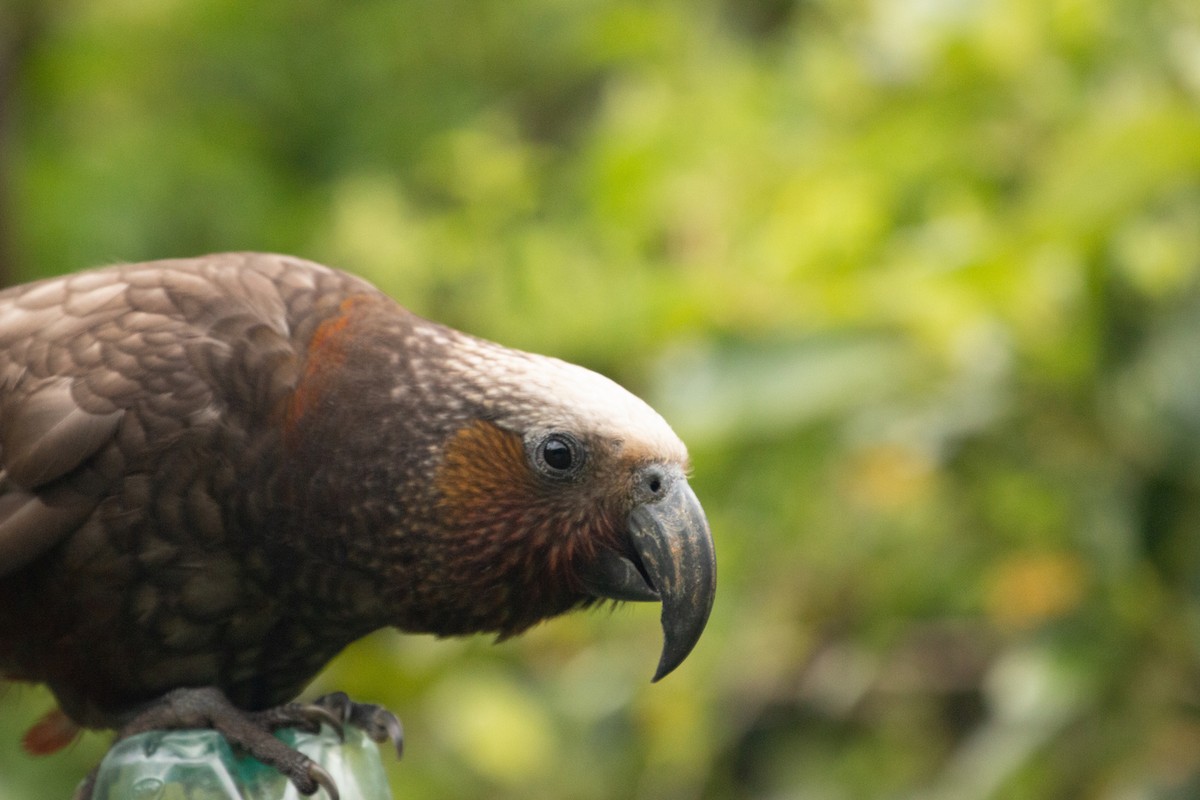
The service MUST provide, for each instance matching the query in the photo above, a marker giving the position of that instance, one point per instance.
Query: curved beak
(678, 566)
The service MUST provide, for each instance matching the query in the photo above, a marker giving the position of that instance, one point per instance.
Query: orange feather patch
(484, 470)
(51, 733)
(326, 354)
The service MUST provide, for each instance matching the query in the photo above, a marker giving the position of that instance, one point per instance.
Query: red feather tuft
(50, 734)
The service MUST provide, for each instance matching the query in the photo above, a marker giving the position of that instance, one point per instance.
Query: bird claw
(322, 715)
(380, 725)
(394, 732)
(308, 717)
(321, 777)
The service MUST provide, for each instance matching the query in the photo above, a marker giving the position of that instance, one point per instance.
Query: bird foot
(380, 725)
(253, 732)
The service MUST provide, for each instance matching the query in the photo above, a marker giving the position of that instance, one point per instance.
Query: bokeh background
(916, 280)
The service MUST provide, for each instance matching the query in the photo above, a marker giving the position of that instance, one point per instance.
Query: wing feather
(100, 369)
(45, 434)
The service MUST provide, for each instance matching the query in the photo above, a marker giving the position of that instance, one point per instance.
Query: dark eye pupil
(557, 454)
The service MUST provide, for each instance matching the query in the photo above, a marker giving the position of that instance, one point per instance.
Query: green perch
(200, 765)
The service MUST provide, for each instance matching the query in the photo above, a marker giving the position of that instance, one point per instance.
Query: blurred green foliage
(917, 281)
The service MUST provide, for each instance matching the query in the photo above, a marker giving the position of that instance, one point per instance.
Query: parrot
(218, 472)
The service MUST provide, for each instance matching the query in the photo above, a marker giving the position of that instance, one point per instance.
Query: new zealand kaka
(215, 473)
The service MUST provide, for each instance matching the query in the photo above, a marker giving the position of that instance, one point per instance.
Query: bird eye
(559, 455)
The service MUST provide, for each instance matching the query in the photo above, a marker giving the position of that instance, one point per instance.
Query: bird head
(517, 487)
(556, 488)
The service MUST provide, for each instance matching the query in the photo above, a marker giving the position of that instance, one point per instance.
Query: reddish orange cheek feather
(489, 500)
(483, 472)
(506, 525)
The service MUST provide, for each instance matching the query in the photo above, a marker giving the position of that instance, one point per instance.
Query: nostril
(654, 481)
